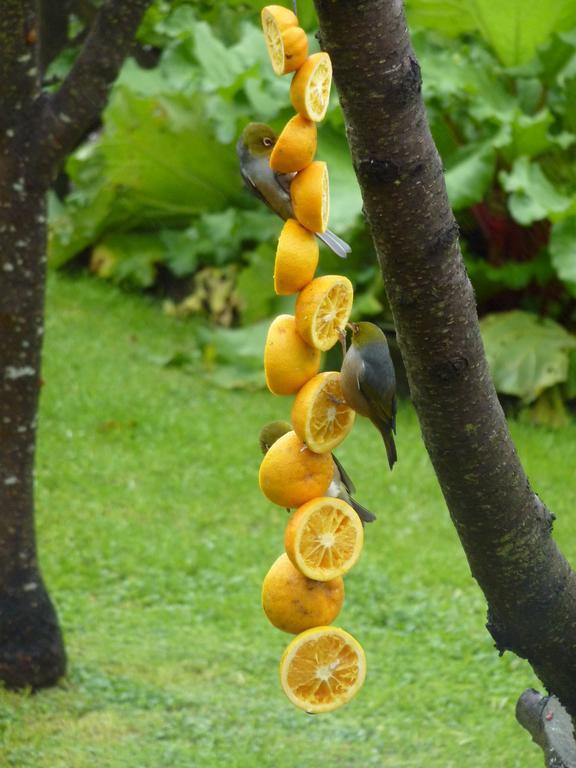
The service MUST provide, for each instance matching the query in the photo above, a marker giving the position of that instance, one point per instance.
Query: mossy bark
(36, 132)
(504, 527)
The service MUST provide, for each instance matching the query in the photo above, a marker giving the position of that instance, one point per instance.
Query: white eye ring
(267, 141)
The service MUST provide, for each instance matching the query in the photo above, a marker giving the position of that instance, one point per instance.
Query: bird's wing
(345, 477)
(381, 406)
(252, 188)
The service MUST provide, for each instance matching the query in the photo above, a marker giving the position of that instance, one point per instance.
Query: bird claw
(342, 337)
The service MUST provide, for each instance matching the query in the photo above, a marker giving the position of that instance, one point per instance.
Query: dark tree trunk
(503, 526)
(36, 132)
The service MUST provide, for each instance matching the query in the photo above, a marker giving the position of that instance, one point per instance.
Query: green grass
(154, 540)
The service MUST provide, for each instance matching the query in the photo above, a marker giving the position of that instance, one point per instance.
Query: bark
(31, 647)
(504, 527)
(550, 727)
(36, 132)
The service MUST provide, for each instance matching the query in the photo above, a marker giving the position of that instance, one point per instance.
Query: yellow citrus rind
(296, 258)
(322, 310)
(324, 538)
(322, 669)
(295, 147)
(291, 474)
(320, 416)
(310, 192)
(293, 603)
(288, 361)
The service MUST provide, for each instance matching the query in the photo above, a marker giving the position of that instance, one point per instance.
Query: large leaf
(526, 354)
(514, 28)
(563, 251)
(468, 174)
(533, 197)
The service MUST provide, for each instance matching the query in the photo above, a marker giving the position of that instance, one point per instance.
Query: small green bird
(254, 148)
(368, 381)
(341, 486)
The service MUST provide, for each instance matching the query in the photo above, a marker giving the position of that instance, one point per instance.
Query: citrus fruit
(294, 603)
(310, 191)
(286, 42)
(290, 474)
(324, 538)
(288, 361)
(310, 87)
(295, 147)
(322, 669)
(322, 310)
(320, 416)
(296, 258)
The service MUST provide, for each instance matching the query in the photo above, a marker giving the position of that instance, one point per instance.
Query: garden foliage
(156, 201)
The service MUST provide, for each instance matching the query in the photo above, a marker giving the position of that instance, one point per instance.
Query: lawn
(154, 539)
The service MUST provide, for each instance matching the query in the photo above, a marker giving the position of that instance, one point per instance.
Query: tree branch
(19, 76)
(503, 526)
(69, 113)
(550, 727)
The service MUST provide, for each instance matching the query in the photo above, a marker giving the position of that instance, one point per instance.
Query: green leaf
(255, 286)
(233, 356)
(345, 197)
(532, 196)
(513, 28)
(526, 354)
(130, 259)
(469, 173)
(563, 251)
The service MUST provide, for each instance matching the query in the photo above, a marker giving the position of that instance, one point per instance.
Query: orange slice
(310, 191)
(295, 147)
(286, 42)
(324, 538)
(310, 87)
(322, 310)
(296, 258)
(320, 416)
(322, 669)
(288, 361)
(294, 603)
(291, 475)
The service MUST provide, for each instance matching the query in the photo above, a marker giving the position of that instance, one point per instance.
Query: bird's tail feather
(390, 447)
(335, 243)
(364, 514)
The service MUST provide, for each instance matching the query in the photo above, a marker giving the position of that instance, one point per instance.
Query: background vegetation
(152, 199)
(155, 540)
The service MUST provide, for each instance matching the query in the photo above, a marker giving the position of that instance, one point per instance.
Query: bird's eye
(267, 141)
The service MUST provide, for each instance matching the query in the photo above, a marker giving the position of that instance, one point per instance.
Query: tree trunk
(36, 133)
(502, 524)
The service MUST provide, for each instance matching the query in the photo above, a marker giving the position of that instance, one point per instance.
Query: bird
(254, 148)
(341, 486)
(368, 381)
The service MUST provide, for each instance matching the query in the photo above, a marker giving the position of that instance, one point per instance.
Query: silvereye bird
(341, 486)
(368, 381)
(254, 148)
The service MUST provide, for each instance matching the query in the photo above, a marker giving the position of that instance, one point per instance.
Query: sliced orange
(310, 191)
(293, 603)
(322, 310)
(290, 474)
(320, 416)
(310, 87)
(296, 258)
(322, 669)
(286, 42)
(295, 147)
(324, 538)
(288, 361)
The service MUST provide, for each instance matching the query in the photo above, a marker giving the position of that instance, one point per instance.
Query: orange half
(310, 87)
(295, 147)
(322, 310)
(320, 415)
(288, 361)
(310, 191)
(296, 258)
(286, 42)
(322, 669)
(324, 538)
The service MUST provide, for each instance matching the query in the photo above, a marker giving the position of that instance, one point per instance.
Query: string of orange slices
(324, 666)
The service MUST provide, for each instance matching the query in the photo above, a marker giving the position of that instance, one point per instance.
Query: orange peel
(322, 310)
(288, 361)
(310, 87)
(296, 258)
(286, 42)
(310, 191)
(295, 147)
(320, 415)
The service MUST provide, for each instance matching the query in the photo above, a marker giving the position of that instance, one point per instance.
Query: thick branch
(550, 727)
(70, 112)
(19, 75)
(504, 527)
